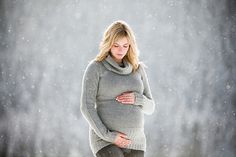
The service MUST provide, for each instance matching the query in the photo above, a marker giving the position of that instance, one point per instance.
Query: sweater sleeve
(88, 100)
(145, 100)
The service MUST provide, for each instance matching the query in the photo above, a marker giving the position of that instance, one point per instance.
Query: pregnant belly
(117, 116)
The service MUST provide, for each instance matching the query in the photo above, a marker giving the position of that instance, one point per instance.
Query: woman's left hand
(126, 98)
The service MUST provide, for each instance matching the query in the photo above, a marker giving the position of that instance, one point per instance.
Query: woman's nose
(120, 48)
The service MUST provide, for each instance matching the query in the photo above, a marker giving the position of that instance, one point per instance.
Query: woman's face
(119, 49)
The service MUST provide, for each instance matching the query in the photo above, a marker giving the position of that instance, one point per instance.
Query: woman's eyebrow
(124, 44)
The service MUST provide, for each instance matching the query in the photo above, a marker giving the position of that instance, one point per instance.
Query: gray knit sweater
(102, 83)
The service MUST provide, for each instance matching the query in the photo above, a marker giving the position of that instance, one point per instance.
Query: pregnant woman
(116, 95)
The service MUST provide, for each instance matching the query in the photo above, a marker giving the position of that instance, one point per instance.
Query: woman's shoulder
(94, 65)
(141, 66)
(141, 69)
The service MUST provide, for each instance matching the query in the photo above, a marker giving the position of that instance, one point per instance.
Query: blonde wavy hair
(114, 32)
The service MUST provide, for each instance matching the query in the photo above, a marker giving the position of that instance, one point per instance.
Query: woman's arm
(145, 100)
(88, 100)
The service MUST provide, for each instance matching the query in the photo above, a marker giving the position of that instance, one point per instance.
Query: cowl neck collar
(112, 65)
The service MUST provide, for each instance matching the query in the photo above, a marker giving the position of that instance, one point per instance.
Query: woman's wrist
(138, 99)
(111, 136)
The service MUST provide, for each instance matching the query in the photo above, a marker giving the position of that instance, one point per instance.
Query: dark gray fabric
(114, 151)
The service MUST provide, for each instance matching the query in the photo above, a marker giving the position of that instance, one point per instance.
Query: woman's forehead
(122, 41)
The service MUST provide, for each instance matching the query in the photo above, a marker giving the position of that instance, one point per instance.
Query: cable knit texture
(102, 83)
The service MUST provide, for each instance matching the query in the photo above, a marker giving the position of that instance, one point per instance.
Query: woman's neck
(120, 61)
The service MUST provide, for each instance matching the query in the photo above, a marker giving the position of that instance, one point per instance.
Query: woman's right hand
(122, 140)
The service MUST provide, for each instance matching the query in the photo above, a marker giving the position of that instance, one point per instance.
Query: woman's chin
(119, 56)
